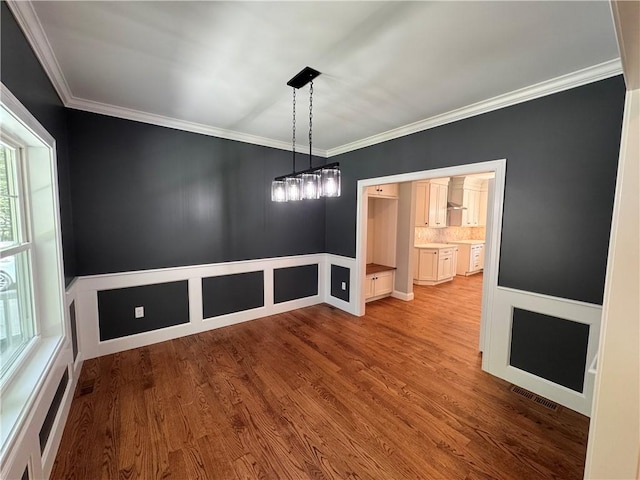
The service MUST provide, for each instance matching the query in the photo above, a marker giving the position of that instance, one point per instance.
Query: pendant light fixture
(312, 183)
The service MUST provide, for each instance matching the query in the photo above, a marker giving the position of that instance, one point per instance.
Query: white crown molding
(565, 82)
(30, 24)
(32, 28)
(163, 121)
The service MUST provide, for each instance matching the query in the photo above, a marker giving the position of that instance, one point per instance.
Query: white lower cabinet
(378, 285)
(470, 258)
(432, 266)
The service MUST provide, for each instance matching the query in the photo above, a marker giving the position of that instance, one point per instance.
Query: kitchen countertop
(433, 245)
(467, 242)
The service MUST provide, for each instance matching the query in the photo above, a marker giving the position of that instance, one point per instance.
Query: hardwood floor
(319, 394)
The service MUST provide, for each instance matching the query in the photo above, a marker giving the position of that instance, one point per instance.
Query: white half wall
(499, 340)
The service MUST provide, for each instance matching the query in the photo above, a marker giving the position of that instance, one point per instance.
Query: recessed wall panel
(293, 283)
(45, 430)
(550, 347)
(164, 305)
(74, 329)
(340, 278)
(232, 293)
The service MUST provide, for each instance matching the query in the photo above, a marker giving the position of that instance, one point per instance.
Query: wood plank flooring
(319, 394)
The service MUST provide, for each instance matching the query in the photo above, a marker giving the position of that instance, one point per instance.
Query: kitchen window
(17, 323)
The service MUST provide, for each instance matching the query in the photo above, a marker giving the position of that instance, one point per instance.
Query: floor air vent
(535, 398)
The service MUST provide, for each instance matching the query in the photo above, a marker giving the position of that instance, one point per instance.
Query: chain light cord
(310, 120)
(294, 130)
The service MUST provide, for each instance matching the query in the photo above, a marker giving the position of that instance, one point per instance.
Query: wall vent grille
(545, 402)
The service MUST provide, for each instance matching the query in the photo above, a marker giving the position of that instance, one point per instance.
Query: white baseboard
(407, 297)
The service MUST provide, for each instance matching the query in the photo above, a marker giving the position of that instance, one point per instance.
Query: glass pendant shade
(330, 182)
(314, 182)
(278, 191)
(310, 186)
(293, 189)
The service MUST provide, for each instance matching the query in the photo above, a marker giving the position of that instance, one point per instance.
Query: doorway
(495, 198)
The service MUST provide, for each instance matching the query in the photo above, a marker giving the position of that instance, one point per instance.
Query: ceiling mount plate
(303, 77)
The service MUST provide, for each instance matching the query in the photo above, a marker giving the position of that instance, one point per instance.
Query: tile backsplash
(448, 234)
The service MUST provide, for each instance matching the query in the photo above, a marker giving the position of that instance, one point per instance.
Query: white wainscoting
(25, 449)
(87, 288)
(505, 300)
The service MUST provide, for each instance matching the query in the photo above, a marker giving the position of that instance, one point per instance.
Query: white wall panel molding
(505, 300)
(86, 296)
(25, 449)
(71, 297)
(346, 262)
(549, 87)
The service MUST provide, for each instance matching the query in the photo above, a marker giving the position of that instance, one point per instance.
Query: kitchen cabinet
(431, 203)
(387, 190)
(434, 263)
(482, 208)
(470, 257)
(378, 285)
(471, 193)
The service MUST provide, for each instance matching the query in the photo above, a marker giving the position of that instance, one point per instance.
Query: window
(17, 325)
(34, 339)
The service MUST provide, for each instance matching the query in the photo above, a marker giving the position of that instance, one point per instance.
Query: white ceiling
(224, 65)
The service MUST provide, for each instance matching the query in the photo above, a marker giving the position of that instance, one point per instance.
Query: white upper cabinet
(431, 203)
(387, 190)
(470, 193)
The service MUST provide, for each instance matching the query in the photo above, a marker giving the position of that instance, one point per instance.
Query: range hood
(455, 206)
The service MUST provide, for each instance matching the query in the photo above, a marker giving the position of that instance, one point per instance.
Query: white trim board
(32, 28)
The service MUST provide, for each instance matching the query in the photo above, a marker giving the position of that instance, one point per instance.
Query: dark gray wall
(562, 155)
(21, 72)
(149, 197)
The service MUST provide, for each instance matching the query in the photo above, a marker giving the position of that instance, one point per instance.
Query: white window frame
(28, 390)
(23, 245)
